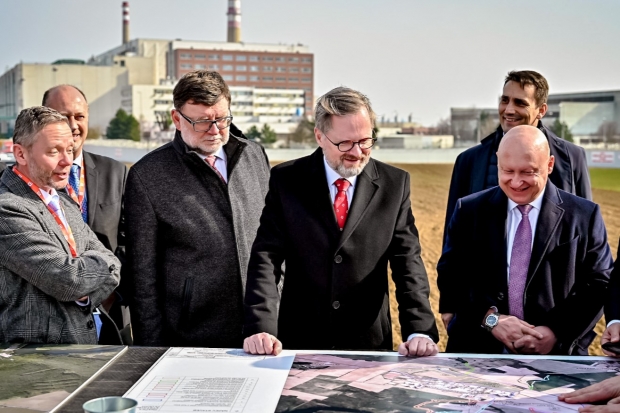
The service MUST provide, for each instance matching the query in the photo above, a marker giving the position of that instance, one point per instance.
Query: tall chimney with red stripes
(234, 21)
(125, 22)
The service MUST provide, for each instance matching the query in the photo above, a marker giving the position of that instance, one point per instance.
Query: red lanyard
(66, 231)
(79, 198)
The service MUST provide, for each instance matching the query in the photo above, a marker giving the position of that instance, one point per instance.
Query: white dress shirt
(332, 177)
(514, 218)
(221, 162)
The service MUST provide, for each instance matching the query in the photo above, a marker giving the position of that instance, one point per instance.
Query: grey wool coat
(39, 279)
(189, 237)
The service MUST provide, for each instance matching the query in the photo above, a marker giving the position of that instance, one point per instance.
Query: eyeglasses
(205, 125)
(346, 146)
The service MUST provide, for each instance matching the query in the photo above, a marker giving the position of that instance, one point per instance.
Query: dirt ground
(429, 195)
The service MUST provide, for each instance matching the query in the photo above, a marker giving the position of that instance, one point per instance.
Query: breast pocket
(562, 260)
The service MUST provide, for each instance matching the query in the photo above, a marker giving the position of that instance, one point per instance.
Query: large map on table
(375, 383)
(36, 378)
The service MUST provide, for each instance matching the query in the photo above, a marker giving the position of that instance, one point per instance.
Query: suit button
(336, 305)
(90, 324)
(337, 259)
(500, 296)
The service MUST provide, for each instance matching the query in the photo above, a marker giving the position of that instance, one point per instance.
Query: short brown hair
(530, 77)
(47, 93)
(339, 102)
(200, 86)
(31, 121)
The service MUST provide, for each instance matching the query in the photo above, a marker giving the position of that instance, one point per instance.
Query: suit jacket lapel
(548, 221)
(497, 213)
(92, 181)
(319, 195)
(365, 188)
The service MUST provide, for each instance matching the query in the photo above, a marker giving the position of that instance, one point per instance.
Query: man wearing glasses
(336, 219)
(193, 208)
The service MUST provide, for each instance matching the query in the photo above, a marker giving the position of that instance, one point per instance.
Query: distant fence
(595, 158)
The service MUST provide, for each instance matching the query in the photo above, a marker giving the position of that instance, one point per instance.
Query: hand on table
(531, 345)
(611, 333)
(262, 343)
(607, 390)
(418, 347)
(509, 329)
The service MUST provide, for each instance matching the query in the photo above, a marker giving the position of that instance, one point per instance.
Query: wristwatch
(491, 321)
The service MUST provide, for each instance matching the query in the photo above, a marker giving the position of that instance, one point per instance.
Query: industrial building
(270, 83)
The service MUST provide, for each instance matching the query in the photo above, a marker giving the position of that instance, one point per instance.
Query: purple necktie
(520, 262)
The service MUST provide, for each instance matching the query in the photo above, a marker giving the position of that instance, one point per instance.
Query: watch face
(492, 320)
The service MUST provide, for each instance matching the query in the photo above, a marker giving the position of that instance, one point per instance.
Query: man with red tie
(335, 219)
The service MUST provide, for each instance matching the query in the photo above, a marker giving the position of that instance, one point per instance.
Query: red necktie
(211, 161)
(341, 204)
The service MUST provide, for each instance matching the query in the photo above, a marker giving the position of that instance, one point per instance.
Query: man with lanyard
(54, 270)
(97, 185)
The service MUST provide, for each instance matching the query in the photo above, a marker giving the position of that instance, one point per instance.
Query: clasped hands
(265, 343)
(520, 337)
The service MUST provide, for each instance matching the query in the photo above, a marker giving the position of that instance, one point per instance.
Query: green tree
(269, 135)
(253, 134)
(561, 129)
(123, 126)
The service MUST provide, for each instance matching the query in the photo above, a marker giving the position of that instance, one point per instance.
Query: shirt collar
(218, 154)
(48, 197)
(332, 175)
(78, 161)
(537, 203)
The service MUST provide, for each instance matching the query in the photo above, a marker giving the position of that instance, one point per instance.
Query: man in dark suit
(335, 292)
(97, 184)
(193, 208)
(523, 102)
(525, 264)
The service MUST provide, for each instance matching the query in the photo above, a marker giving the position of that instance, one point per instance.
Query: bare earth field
(429, 195)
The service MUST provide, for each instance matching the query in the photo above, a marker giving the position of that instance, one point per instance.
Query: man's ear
(551, 163)
(176, 118)
(318, 137)
(20, 153)
(542, 110)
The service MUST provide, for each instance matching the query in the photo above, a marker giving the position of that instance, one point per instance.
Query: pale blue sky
(408, 56)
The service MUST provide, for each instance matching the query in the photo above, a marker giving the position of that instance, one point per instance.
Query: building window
(228, 68)
(198, 67)
(306, 79)
(293, 79)
(242, 78)
(267, 79)
(306, 70)
(227, 77)
(186, 66)
(214, 67)
(214, 57)
(241, 68)
(200, 56)
(227, 57)
(280, 59)
(267, 59)
(293, 59)
(267, 68)
(280, 69)
(241, 58)
(163, 102)
(253, 78)
(293, 69)
(253, 68)
(280, 79)
(306, 59)
(253, 58)
(186, 56)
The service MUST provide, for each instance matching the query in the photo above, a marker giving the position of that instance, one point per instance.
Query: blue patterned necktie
(520, 263)
(74, 181)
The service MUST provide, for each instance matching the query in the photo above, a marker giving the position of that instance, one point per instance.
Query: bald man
(525, 265)
(98, 183)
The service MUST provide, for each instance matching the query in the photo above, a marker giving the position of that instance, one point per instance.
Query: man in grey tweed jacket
(50, 279)
(190, 225)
